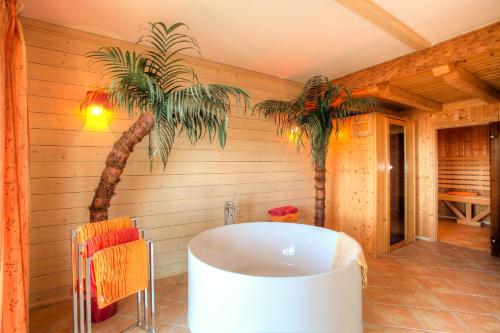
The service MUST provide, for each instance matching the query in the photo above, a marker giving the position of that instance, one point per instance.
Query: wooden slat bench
(465, 174)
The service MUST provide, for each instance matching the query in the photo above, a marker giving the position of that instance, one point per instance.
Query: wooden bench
(465, 174)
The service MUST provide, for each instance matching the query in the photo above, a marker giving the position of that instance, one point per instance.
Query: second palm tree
(320, 110)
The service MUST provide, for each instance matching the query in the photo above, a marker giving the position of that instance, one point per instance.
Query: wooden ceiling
(463, 69)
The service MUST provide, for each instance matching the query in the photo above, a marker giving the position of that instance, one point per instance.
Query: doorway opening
(464, 186)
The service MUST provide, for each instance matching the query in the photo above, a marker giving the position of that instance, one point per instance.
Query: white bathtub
(273, 277)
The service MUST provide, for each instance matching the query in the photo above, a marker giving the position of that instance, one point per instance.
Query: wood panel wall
(174, 205)
(352, 181)
(427, 153)
(359, 181)
(469, 141)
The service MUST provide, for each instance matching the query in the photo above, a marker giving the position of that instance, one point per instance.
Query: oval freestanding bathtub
(274, 277)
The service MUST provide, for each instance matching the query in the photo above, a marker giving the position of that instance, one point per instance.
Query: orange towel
(106, 240)
(120, 271)
(285, 218)
(89, 230)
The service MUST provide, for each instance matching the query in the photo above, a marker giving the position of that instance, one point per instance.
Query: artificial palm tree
(320, 110)
(158, 86)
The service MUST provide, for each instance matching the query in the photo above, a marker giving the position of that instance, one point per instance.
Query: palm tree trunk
(115, 163)
(319, 185)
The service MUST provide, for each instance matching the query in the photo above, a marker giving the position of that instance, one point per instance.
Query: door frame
(434, 188)
(383, 203)
(494, 135)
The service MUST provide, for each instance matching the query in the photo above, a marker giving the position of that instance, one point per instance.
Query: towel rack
(82, 303)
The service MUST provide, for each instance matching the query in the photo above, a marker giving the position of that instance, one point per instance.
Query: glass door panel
(397, 183)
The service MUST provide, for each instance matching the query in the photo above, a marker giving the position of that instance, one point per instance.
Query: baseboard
(427, 239)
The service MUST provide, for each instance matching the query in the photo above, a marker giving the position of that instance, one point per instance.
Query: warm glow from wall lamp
(294, 134)
(96, 107)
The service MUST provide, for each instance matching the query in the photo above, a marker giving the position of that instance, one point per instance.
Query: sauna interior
(464, 172)
(152, 180)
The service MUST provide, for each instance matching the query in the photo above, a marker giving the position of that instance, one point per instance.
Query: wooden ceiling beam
(486, 39)
(385, 21)
(405, 97)
(464, 81)
(395, 94)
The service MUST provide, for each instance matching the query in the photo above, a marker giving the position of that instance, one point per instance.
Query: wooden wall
(352, 181)
(472, 141)
(174, 205)
(427, 125)
(359, 182)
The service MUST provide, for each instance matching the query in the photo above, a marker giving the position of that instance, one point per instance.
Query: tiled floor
(424, 287)
(171, 311)
(477, 238)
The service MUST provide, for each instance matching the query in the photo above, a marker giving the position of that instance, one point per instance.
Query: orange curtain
(14, 173)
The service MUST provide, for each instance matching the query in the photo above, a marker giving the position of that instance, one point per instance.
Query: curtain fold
(14, 173)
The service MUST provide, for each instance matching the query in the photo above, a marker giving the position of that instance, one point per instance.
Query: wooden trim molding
(486, 39)
(373, 13)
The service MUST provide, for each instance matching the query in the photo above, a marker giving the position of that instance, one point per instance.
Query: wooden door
(495, 187)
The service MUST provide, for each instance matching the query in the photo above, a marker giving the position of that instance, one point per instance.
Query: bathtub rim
(316, 275)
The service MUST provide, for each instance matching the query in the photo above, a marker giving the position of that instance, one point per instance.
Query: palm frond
(284, 114)
(159, 80)
(315, 114)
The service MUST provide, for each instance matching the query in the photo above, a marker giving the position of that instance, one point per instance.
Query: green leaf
(159, 80)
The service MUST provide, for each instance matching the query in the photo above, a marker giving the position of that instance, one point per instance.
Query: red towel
(281, 211)
(113, 238)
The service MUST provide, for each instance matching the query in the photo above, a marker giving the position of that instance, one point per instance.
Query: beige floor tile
(179, 329)
(113, 324)
(376, 279)
(128, 307)
(437, 285)
(490, 304)
(399, 316)
(388, 329)
(495, 286)
(164, 328)
(382, 295)
(391, 269)
(179, 293)
(479, 323)
(372, 328)
(419, 298)
(439, 320)
(403, 282)
(468, 287)
(462, 303)
(368, 314)
(482, 276)
(169, 311)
